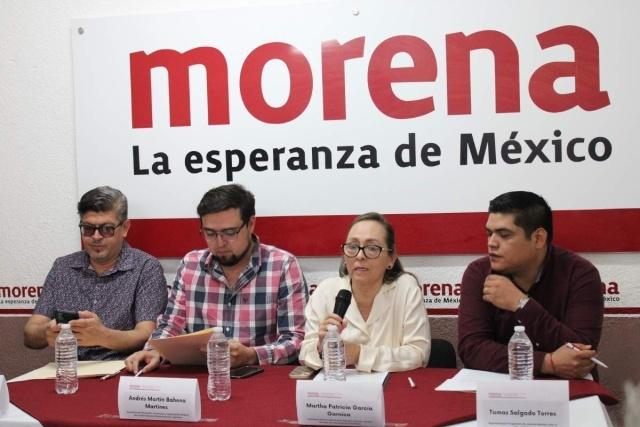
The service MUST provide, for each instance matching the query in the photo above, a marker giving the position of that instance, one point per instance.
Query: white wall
(37, 149)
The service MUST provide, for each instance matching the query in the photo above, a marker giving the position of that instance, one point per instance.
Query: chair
(443, 355)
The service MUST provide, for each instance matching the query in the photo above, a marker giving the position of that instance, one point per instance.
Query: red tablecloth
(264, 399)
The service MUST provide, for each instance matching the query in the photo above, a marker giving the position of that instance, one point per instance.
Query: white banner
(345, 107)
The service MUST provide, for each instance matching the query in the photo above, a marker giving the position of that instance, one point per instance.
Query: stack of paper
(86, 368)
(188, 349)
(353, 376)
(468, 379)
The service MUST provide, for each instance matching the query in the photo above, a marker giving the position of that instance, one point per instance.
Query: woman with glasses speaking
(385, 328)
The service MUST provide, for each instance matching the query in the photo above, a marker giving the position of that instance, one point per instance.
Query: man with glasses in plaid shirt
(117, 291)
(255, 292)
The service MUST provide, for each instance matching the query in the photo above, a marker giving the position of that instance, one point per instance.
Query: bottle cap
(65, 326)
(332, 328)
(217, 329)
(518, 328)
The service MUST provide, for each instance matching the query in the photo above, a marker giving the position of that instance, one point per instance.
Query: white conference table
(586, 411)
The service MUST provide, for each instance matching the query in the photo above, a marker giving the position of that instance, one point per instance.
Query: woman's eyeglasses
(370, 251)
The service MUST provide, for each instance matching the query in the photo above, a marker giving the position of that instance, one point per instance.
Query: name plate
(523, 403)
(153, 398)
(4, 396)
(339, 403)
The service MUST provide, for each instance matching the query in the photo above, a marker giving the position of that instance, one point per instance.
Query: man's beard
(233, 259)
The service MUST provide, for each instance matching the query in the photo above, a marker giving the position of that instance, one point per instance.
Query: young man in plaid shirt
(256, 292)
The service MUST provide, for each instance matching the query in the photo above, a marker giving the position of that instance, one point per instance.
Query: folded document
(184, 349)
(86, 368)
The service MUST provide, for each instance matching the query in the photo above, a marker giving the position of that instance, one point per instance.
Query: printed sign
(418, 109)
(4, 396)
(523, 403)
(152, 398)
(340, 403)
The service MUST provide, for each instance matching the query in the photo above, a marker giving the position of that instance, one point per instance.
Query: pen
(593, 359)
(111, 375)
(411, 383)
(163, 361)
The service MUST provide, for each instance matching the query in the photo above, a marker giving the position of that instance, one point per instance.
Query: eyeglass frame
(362, 248)
(99, 228)
(222, 233)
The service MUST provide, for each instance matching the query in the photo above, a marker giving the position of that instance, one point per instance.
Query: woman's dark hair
(397, 269)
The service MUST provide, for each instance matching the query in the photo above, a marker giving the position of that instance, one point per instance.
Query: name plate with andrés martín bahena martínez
(153, 398)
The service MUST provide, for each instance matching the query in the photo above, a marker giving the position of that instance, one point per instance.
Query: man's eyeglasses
(227, 235)
(370, 251)
(105, 230)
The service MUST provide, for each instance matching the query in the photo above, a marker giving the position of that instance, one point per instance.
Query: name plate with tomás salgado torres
(523, 403)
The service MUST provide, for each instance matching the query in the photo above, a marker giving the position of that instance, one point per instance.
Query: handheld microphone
(343, 299)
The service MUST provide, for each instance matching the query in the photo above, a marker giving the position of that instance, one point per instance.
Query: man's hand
(89, 330)
(51, 332)
(150, 358)
(569, 363)
(501, 292)
(40, 332)
(242, 355)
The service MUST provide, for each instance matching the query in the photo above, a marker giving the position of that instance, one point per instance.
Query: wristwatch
(522, 302)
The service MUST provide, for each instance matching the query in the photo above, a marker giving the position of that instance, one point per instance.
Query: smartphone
(302, 373)
(245, 371)
(63, 316)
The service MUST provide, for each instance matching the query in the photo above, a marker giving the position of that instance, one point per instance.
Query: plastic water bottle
(66, 361)
(333, 355)
(520, 355)
(218, 363)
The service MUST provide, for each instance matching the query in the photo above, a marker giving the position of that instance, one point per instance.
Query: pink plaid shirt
(265, 310)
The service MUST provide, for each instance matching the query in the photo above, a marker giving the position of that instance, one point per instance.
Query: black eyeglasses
(370, 251)
(105, 230)
(227, 235)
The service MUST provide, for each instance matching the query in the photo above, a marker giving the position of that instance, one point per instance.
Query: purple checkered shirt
(264, 311)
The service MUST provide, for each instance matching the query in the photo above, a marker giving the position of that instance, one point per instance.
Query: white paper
(353, 375)
(86, 368)
(153, 398)
(468, 379)
(4, 396)
(184, 349)
(339, 403)
(523, 403)
(16, 417)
